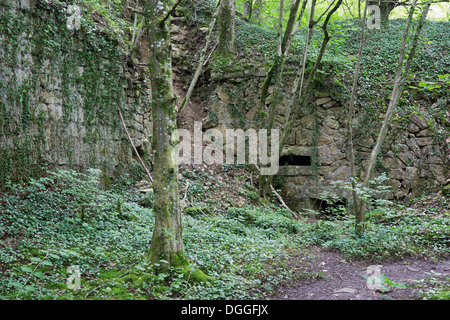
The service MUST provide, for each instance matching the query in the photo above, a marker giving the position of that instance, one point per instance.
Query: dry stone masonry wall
(316, 153)
(59, 93)
(60, 88)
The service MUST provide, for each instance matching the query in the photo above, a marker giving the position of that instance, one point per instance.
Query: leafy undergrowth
(53, 225)
(63, 222)
(391, 231)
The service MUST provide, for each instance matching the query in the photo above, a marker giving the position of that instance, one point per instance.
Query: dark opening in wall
(331, 208)
(140, 151)
(294, 160)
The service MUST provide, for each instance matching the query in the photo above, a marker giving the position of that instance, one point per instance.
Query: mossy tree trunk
(166, 242)
(401, 77)
(247, 11)
(386, 7)
(227, 26)
(359, 218)
(274, 76)
(299, 92)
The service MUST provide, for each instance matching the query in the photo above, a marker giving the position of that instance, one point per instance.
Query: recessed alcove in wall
(140, 151)
(295, 161)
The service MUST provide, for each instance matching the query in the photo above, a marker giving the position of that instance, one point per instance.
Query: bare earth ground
(331, 277)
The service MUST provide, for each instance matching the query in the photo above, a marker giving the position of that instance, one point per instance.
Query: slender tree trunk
(264, 181)
(248, 8)
(275, 72)
(359, 218)
(401, 75)
(257, 8)
(300, 94)
(201, 63)
(386, 7)
(299, 97)
(227, 25)
(359, 9)
(166, 241)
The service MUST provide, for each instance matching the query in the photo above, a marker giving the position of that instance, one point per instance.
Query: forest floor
(332, 277)
(327, 275)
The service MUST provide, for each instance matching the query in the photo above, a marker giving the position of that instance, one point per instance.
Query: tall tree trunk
(275, 72)
(359, 218)
(300, 94)
(257, 9)
(400, 79)
(166, 241)
(201, 63)
(227, 26)
(298, 97)
(248, 6)
(359, 9)
(386, 7)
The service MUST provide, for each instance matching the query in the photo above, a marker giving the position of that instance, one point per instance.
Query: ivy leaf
(39, 275)
(15, 284)
(140, 268)
(26, 269)
(29, 287)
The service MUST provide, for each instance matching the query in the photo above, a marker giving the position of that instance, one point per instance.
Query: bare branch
(134, 148)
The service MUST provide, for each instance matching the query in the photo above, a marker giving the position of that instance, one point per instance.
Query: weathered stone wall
(413, 157)
(59, 93)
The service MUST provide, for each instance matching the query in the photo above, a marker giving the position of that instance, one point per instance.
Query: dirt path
(334, 278)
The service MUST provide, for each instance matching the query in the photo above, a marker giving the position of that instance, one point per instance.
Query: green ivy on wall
(80, 69)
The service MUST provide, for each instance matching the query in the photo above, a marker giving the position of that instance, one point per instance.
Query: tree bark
(400, 79)
(275, 72)
(227, 25)
(248, 8)
(300, 94)
(166, 241)
(359, 218)
(385, 8)
(201, 63)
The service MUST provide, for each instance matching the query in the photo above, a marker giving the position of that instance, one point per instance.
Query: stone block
(438, 172)
(322, 101)
(297, 150)
(295, 171)
(324, 139)
(416, 119)
(397, 174)
(259, 73)
(413, 128)
(329, 104)
(426, 141)
(307, 122)
(333, 124)
(424, 133)
(413, 146)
